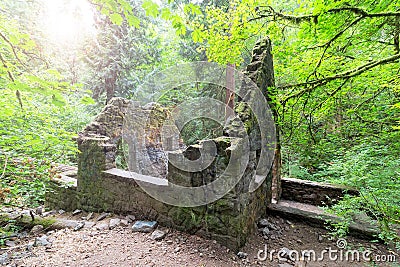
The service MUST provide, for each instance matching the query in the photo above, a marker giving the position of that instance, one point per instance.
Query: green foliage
(24, 181)
(373, 169)
(121, 55)
(197, 128)
(117, 10)
(336, 70)
(200, 129)
(151, 8)
(32, 131)
(31, 139)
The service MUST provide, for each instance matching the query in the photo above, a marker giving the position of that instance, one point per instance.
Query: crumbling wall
(103, 187)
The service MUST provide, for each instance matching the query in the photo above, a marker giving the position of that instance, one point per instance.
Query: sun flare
(67, 22)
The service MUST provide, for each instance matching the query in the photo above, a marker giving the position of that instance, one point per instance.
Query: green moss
(26, 221)
(241, 107)
(187, 219)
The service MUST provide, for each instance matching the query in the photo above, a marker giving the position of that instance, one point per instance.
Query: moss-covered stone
(228, 220)
(26, 220)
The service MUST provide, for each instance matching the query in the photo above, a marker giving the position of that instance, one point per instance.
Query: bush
(372, 167)
(33, 137)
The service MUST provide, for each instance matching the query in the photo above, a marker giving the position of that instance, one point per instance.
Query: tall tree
(328, 56)
(121, 56)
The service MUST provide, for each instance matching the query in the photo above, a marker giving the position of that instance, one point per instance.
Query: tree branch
(311, 85)
(12, 48)
(7, 69)
(270, 12)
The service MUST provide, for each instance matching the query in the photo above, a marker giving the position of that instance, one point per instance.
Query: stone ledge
(125, 176)
(316, 216)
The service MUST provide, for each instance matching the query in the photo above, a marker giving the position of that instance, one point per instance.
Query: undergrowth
(371, 167)
(32, 137)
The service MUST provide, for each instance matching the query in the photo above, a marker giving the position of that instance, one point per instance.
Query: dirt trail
(122, 247)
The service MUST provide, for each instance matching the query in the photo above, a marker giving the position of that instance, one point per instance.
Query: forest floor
(91, 246)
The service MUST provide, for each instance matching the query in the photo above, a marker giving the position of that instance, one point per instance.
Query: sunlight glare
(67, 22)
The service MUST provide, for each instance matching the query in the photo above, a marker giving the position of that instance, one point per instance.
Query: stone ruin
(102, 184)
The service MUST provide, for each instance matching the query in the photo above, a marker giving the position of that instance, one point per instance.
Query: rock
(177, 249)
(262, 223)
(144, 226)
(26, 212)
(79, 226)
(61, 212)
(124, 222)
(102, 226)
(130, 218)
(14, 215)
(285, 265)
(8, 227)
(3, 258)
(49, 213)
(242, 255)
(89, 216)
(39, 210)
(64, 223)
(30, 246)
(114, 223)
(22, 234)
(102, 216)
(9, 243)
(42, 241)
(169, 242)
(76, 212)
(158, 235)
(320, 238)
(89, 224)
(265, 231)
(37, 229)
(7, 210)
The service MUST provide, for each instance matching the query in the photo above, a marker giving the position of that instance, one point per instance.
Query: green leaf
(133, 21)
(105, 11)
(151, 8)
(166, 13)
(192, 8)
(116, 19)
(87, 100)
(177, 23)
(58, 101)
(196, 35)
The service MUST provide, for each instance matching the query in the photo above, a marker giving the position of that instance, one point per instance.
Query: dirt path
(122, 247)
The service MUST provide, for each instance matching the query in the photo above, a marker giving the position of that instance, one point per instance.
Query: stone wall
(103, 187)
(318, 194)
(61, 191)
(228, 220)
